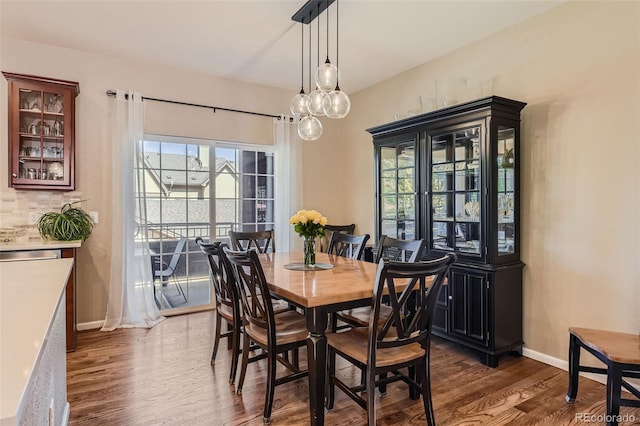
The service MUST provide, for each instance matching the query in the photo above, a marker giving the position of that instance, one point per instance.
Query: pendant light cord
(310, 89)
(318, 47)
(337, 44)
(302, 59)
(327, 9)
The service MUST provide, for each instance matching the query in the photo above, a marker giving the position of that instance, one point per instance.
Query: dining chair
(329, 230)
(274, 334)
(262, 241)
(394, 342)
(349, 246)
(620, 352)
(389, 249)
(227, 301)
(398, 250)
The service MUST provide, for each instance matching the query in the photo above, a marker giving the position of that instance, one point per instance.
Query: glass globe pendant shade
(299, 105)
(327, 76)
(316, 99)
(309, 128)
(337, 104)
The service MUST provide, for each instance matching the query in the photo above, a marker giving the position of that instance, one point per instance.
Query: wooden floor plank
(163, 376)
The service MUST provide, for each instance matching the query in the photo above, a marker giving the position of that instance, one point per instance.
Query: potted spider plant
(71, 223)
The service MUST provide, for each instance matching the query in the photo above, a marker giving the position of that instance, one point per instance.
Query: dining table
(346, 284)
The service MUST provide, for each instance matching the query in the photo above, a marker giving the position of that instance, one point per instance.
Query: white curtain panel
(131, 292)
(288, 176)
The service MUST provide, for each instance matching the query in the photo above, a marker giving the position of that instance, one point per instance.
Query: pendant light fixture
(317, 96)
(327, 73)
(327, 98)
(309, 127)
(300, 102)
(336, 104)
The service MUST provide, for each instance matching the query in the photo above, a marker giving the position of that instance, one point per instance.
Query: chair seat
(290, 327)
(226, 312)
(618, 347)
(353, 343)
(280, 306)
(360, 316)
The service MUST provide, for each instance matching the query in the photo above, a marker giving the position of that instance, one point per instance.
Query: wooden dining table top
(348, 280)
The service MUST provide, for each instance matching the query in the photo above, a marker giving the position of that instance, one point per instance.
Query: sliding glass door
(199, 188)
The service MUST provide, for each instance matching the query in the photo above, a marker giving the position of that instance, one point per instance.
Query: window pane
(265, 163)
(265, 187)
(173, 156)
(248, 211)
(249, 186)
(248, 162)
(248, 228)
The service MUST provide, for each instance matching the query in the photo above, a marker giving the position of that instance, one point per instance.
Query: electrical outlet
(94, 216)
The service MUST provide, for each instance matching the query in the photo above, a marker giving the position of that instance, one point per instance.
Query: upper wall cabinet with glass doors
(41, 132)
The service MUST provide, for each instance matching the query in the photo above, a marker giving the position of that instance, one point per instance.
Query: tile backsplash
(23, 208)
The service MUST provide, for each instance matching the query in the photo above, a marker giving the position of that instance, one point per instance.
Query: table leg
(317, 361)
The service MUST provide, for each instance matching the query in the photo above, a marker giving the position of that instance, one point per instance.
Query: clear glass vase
(310, 251)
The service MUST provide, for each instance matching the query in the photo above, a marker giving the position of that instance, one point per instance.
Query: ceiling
(256, 41)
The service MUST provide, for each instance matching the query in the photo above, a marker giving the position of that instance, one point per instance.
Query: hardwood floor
(163, 376)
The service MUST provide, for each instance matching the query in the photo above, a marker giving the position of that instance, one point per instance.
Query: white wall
(96, 74)
(578, 69)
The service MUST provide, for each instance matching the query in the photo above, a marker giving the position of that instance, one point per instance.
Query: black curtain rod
(112, 93)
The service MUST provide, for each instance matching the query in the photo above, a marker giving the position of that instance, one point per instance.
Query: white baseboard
(89, 325)
(65, 415)
(564, 365)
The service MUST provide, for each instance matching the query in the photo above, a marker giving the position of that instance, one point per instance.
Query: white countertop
(38, 245)
(29, 294)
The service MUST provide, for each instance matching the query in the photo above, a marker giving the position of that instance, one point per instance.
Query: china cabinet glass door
(398, 191)
(455, 191)
(505, 231)
(42, 151)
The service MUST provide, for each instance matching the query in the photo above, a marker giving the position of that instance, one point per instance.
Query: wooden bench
(621, 354)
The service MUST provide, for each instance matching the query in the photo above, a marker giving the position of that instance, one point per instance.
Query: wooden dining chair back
(398, 250)
(227, 301)
(349, 246)
(274, 334)
(329, 230)
(620, 352)
(262, 241)
(389, 249)
(396, 341)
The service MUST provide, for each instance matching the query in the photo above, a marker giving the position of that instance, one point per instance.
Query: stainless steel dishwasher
(20, 255)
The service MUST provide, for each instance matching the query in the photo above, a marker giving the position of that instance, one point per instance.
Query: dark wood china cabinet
(451, 177)
(41, 132)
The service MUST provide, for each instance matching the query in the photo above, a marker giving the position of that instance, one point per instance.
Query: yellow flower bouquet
(309, 224)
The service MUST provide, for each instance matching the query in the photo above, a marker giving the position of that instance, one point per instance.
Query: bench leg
(574, 366)
(614, 387)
